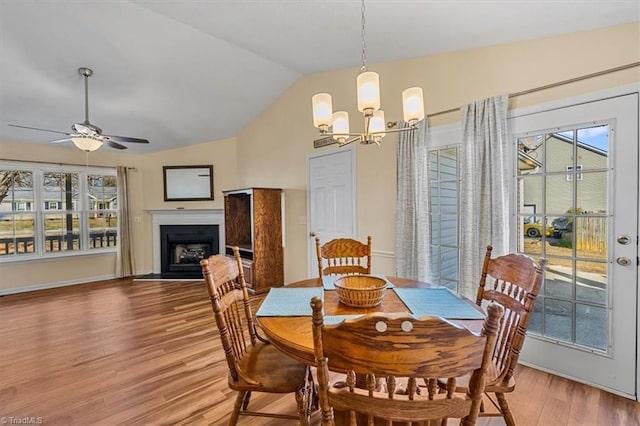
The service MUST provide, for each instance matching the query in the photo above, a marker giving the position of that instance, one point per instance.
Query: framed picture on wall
(188, 183)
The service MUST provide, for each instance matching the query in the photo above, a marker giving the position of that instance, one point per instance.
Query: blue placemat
(437, 301)
(335, 319)
(288, 302)
(327, 281)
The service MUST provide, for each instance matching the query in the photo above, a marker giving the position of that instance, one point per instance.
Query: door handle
(312, 234)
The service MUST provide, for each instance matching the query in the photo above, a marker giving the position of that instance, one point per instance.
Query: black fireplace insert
(183, 246)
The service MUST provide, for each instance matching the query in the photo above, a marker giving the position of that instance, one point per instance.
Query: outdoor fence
(591, 233)
(20, 245)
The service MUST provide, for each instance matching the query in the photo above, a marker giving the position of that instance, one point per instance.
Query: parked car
(534, 230)
(563, 223)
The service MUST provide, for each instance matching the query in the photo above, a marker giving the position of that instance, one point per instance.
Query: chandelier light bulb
(413, 105)
(340, 125)
(368, 84)
(322, 110)
(377, 124)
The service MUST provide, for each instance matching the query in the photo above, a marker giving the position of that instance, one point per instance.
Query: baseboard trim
(85, 280)
(381, 253)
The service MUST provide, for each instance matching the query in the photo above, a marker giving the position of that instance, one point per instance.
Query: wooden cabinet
(253, 222)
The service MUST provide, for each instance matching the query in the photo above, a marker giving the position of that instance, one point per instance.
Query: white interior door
(331, 201)
(578, 165)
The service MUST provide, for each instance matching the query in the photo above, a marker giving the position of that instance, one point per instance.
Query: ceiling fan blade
(125, 139)
(61, 140)
(113, 144)
(37, 128)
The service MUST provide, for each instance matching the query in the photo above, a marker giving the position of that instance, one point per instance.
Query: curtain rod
(62, 164)
(552, 85)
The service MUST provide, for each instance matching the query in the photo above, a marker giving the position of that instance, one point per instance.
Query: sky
(597, 136)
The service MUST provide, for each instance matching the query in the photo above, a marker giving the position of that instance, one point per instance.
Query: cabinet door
(247, 270)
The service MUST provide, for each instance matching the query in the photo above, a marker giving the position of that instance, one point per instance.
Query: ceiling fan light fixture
(87, 144)
(87, 136)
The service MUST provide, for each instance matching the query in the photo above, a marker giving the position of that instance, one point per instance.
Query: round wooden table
(294, 337)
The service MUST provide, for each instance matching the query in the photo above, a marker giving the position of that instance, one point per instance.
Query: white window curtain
(486, 175)
(413, 221)
(124, 260)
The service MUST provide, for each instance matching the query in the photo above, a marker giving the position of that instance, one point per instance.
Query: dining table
(289, 328)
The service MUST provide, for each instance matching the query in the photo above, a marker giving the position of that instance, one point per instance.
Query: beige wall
(274, 147)
(146, 194)
(272, 151)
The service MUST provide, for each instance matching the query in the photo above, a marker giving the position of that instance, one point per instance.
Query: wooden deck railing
(20, 245)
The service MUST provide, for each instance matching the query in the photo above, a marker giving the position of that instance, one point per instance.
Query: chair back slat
(392, 354)
(512, 281)
(229, 300)
(343, 256)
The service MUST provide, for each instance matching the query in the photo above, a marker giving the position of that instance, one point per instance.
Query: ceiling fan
(86, 136)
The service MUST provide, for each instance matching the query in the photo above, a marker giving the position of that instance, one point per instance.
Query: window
(578, 173)
(22, 206)
(102, 196)
(47, 210)
(569, 230)
(444, 181)
(52, 205)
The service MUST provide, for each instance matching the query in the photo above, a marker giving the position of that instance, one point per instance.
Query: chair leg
(302, 400)
(237, 405)
(312, 394)
(504, 408)
(245, 402)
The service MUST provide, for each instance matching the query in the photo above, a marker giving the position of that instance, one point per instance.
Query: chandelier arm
(343, 134)
(404, 129)
(347, 142)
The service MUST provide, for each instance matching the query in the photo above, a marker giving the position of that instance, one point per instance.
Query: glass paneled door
(577, 205)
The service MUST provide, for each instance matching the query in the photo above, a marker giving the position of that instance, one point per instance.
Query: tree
(12, 178)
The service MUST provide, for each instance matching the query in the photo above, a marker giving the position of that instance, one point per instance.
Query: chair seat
(261, 361)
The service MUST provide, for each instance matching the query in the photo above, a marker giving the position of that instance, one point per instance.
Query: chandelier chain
(364, 44)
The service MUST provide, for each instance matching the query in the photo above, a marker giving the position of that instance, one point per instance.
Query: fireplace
(179, 217)
(183, 246)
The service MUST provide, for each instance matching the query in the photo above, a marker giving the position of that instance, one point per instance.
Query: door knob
(623, 261)
(313, 234)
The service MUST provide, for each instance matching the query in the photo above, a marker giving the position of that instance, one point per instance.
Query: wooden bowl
(360, 291)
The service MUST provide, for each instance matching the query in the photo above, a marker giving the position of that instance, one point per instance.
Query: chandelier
(336, 124)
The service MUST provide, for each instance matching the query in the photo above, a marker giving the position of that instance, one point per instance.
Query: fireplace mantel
(183, 217)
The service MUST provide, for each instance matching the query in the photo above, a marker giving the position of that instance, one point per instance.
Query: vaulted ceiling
(190, 71)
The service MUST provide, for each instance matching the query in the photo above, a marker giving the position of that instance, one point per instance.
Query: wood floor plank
(148, 353)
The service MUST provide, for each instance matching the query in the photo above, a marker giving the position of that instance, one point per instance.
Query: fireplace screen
(184, 246)
(191, 253)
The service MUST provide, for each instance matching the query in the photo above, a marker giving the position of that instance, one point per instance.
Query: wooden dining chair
(254, 364)
(343, 256)
(386, 356)
(513, 282)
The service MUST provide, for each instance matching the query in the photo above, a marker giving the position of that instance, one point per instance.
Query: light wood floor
(147, 353)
